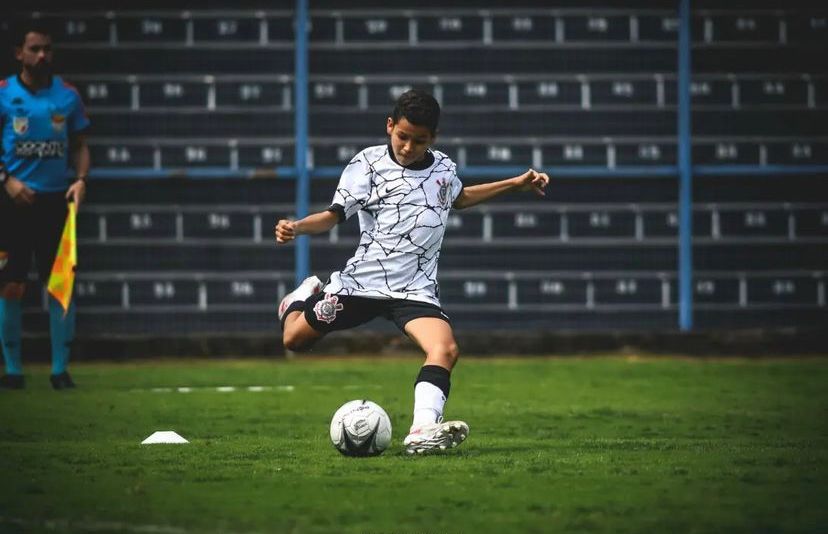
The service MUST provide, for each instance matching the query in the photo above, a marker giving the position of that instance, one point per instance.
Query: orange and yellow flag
(62, 279)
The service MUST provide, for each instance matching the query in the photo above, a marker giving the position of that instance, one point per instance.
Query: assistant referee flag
(62, 278)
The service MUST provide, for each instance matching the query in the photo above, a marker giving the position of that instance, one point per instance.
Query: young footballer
(402, 193)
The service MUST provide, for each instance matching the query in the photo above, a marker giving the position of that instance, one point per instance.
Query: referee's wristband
(83, 178)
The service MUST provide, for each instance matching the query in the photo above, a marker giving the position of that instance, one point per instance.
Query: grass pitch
(556, 445)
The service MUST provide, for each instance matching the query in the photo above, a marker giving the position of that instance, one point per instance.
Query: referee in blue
(42, 120)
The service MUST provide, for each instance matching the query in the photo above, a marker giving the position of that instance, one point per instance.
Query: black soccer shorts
(28, 231)
(326, 312)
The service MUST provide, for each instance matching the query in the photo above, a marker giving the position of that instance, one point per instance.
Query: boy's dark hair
(419, 107)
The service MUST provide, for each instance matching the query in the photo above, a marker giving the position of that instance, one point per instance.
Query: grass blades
(556, 445)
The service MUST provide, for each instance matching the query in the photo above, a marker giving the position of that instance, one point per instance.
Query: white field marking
(220, 389)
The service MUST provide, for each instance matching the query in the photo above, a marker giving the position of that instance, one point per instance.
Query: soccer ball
(360, 428)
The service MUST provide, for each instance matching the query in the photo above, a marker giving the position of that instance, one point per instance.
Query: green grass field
(556, 445)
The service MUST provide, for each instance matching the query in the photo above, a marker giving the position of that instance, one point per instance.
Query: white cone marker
(167, 437)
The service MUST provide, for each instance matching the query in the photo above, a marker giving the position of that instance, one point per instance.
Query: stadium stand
(181, 95)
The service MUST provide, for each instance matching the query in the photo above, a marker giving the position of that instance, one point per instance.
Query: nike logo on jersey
(390, 190)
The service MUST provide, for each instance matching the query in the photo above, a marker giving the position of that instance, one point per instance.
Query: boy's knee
(296, 340)
(448, 352)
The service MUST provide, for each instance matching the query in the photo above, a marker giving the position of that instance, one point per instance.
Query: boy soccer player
(41, 121)
(403, 193)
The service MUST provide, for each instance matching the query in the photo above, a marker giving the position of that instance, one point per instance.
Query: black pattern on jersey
(402, 215)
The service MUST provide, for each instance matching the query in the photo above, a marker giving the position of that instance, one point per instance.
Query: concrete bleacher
(172, 93)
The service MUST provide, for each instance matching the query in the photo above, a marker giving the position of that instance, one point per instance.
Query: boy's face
(408, 141)
(36, 53)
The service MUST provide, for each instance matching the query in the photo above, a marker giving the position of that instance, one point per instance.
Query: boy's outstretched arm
(316, 223)
(531, 180)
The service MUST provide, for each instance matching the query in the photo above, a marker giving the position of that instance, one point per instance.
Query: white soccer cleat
(436, 437)
(309, 286)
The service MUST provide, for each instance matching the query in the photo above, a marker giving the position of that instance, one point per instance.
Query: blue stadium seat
(661, 224)
(195, 155)
(499, 154)
(264, 155)
(552, 290)
(550, 92)
(384, 29)
(726, 152)
(609, 223)
(713, 290)
(539, 28)
(473, 290)
(797, 152)
(163, 292)
(219, 224)
(526, 223)
(105, 93)
(658, 28)
(450, 28)
(244, 291)
(333, 93)
(623, 92)
(753, 222)
(252, 93)
(574, 154)
(592, 28)
(98, 293)
(120, 155)
(144, 29)
(224, 29)
(745, 28)
(174, 93)
(704, 91)
(475, 93)
(628, 290)
(141, 224)
(800, 290)
(773, 91)
(79, 28)
(645, 154)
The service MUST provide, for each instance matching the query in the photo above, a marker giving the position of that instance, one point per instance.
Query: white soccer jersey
(402, 218)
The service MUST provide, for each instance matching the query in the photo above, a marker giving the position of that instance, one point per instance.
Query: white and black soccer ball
(360, 428)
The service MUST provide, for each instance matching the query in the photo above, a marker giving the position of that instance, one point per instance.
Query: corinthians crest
(326, 308)
(443, 194)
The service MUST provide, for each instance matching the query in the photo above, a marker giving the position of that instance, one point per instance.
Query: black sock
(434, 374)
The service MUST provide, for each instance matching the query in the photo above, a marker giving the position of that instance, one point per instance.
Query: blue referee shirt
(35, 131)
